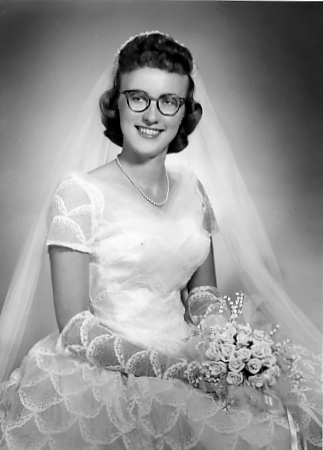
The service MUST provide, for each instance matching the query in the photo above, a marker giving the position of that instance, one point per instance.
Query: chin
(144, 147)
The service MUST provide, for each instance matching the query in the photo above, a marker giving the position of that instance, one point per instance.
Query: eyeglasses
(167, 104)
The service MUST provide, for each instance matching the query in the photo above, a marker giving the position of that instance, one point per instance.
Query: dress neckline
(121, 194)
(176, 174)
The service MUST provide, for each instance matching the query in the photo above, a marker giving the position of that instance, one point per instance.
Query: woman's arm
(203, 297)
(70, 280)
(205, 275)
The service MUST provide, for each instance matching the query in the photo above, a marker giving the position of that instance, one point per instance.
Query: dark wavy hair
(158, 51)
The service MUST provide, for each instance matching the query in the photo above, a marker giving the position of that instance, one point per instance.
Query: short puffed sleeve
(73, 216)
(209, 221)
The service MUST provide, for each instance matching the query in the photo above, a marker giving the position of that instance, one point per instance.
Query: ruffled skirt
(55, 401)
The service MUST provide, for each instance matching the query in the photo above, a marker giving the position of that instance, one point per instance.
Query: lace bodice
(141, 256)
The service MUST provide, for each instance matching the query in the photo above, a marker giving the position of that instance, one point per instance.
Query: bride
(134, 284)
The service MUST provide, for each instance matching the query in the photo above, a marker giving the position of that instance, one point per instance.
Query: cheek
(122, 111)
(126, 116)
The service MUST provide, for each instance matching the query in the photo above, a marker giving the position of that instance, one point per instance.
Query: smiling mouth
(148, 132)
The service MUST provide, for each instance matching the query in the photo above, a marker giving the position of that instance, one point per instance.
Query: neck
(149, 173)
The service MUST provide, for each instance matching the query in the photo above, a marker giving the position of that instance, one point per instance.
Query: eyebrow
(161, 95)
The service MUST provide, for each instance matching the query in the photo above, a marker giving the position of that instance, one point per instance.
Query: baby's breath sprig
(274, 330)
(236, 306)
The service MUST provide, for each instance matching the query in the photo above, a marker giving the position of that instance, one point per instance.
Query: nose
(150, 116)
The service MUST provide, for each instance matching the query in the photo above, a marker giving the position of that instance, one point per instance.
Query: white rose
(213, 352)
(227, 332)
(268, 340)
(230, 327)
(256, 381)
(227, 351)
(236, 364)
(217, 368)
(259, 335)
(269, 360)
(243, 338)
(246, 329)
(235, 378)
(254, 365)
(261, 350)
(243, 353)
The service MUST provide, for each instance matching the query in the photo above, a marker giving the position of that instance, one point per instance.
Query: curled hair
(157, 51)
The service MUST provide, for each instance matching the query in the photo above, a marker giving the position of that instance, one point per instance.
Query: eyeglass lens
(167, 104)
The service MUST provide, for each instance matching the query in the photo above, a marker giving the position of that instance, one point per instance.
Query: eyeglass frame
(126, 93)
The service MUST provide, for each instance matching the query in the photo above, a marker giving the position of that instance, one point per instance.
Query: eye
(137, 97)
(169, 100)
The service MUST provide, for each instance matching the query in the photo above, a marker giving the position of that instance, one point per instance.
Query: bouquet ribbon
(269, 401)
(293, 433)
(274, 403)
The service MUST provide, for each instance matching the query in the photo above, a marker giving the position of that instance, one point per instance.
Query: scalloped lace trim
(99, 407)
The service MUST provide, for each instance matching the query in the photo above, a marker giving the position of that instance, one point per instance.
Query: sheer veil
(241, 245)
(84, 149)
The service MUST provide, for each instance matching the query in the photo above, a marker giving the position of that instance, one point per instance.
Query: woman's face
(149, 133)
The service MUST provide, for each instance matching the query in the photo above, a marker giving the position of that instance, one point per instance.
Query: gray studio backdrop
(262, 65)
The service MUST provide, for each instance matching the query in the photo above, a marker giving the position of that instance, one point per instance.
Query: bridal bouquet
(234, 354)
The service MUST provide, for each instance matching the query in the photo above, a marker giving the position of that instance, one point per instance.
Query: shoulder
(107, 179)
(181, 173)
(77, 190)
(107, 173)
(187, 179)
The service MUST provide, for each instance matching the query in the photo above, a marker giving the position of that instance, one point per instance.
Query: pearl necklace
(141, 191)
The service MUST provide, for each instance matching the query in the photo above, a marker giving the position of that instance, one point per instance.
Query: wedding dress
(141, 257)
(68, 394)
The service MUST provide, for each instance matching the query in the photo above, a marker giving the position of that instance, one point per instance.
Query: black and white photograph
(161, 191)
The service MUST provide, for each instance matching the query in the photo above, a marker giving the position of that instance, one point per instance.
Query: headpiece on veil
(242, 240)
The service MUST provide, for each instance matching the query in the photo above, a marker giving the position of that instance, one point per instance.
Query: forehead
(155, 82)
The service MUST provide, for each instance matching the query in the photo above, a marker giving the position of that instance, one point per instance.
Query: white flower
(269, 360)
(254, 365)
(243, 353)
(236, 364)
(243, 338)
(235, 378)
(230, 327)
(261, 349)
(213, 352)
(246, 329)
(227, 332)
(256, 381)
(268, 340)
(227, 351)
(259, 334)
(217, 368)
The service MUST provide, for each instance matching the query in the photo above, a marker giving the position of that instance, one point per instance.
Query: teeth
(148, 131)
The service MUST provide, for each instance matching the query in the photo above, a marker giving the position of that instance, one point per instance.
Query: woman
(130, 245)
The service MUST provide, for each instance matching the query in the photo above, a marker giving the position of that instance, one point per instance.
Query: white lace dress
(141, 257)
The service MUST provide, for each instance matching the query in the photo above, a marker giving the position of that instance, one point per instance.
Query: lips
(148, 132)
